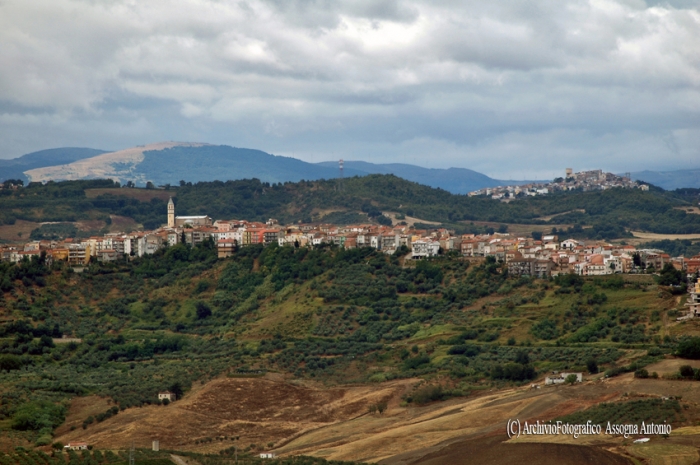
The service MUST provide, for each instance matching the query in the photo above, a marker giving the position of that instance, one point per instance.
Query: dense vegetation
(594, 215)
(180, 315)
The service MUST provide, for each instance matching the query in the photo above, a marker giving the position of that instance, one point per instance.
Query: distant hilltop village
(584, 180)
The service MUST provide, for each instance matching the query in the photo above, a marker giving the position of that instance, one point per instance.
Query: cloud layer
(513, 89)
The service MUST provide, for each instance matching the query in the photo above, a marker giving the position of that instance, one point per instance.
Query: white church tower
(171, 213)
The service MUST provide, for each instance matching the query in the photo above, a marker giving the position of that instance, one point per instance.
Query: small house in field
(560, 378)
(167, 395)
(267, 455)
(76, 446)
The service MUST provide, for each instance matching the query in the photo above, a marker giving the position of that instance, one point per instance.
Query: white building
(560, 378)
(167, 395)
(424, 248)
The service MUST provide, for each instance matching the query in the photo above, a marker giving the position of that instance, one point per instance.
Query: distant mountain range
(670, 180)
(15, 168)
(170, 162)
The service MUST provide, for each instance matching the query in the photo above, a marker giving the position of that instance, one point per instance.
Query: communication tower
(340, 179)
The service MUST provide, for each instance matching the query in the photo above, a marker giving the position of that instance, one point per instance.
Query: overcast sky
(512, 88)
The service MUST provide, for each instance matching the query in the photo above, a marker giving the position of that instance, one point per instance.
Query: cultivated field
(19, 231)
(658, 237)
(257, 410)
(295, 418)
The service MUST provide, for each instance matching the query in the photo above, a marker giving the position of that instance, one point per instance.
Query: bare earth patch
(658, 237)
(257, 410)
(19, 231)
(113, 165)
(305, 419)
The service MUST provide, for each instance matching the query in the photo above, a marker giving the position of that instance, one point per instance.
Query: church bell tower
(171, 213)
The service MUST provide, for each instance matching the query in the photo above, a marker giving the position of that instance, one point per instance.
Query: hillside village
(547, 257)
(584, 181)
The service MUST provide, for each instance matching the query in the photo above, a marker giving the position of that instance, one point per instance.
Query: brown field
(333, 423)
(258, 410)
(17, 232)
(493, 450)
(409, 219)
(123, 224)
(20, 231)
(658, 237)
(142, 195)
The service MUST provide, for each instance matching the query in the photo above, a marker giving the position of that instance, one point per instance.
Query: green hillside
(181, 315)
(596, 215)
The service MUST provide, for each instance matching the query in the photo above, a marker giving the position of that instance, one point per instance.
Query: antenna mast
(340, 181)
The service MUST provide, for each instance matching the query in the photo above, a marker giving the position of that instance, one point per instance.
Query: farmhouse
(167, 395)
(559, 378)
(76, 446)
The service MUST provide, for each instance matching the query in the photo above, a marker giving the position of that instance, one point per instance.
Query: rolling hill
(670, 180)
(171, 162)
(454, 180)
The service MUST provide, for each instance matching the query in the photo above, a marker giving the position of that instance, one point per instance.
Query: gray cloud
(513, 89)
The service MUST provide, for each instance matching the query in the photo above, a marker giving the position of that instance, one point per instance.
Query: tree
(176, 388)
(687, 371)
(522, 358)
(571, 379)
(637, 260)
(592, 366)
(670, 276)
(381, 407)
(203, 310)
(689, 348)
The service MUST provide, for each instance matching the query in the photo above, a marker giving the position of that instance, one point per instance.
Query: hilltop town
(545, 257)
(584, 181)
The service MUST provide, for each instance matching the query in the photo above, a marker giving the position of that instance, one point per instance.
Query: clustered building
(584, 180)
(522, 255)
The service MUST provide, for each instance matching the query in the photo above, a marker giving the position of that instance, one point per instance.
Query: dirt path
(182, 460)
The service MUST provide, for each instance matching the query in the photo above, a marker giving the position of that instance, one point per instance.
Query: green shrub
(687, 371)
(427, 394)
(37, 415)
(689, 348)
